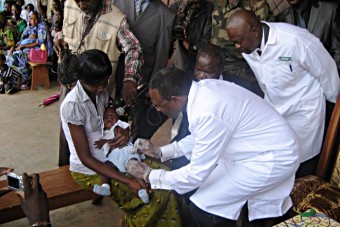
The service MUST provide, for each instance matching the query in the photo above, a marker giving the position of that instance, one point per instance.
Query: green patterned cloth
(311, 218)
(222, 12)
(162, 210)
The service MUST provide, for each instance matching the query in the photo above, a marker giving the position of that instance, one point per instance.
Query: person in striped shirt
(10, 79)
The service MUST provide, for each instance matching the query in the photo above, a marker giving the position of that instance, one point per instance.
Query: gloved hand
(138, 169)
(146, 147)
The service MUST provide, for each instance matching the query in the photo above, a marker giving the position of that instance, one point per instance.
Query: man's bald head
(245, 30)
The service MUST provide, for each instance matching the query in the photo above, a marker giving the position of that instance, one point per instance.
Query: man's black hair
(214, 51)
(171, 82)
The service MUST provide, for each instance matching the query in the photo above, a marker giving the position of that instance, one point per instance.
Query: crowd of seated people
(24, 27)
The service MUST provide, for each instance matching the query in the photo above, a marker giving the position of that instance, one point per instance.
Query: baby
(32, 38)
(119, 157)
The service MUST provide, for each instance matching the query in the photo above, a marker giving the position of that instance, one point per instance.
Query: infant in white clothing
(118, 157)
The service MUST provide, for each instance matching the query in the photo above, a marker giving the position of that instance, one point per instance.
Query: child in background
(58, 33)
(118, 157)
(9, 78)
(30, 10)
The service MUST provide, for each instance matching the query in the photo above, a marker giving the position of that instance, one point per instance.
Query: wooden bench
(60, 188)
(39, 75)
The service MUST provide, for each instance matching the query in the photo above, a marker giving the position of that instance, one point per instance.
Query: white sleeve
(321, 65)
(178, 149)
(211, 137)
(121, 124)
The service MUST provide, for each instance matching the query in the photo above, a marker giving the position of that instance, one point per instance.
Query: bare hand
(59, 45)
(100, 143)
(135, 185)
(5, 170)
(121, 138)
(34, 201)
(129, 91)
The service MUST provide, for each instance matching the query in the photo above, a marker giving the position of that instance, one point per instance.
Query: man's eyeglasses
(159, 106)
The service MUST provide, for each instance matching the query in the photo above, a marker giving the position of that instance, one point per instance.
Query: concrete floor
(29, 137)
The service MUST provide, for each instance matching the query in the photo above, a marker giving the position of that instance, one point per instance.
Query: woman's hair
(22, 2)
(171, 82)
(94, 67)
(18, 8)
(37, 14)
(31, 6)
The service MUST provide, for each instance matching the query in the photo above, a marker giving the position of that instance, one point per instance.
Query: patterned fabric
(139, 7)
(335, 178)
(11, 34)
(309, 218)
(311, 192)
(133, 53)
(300, 22)
(9, 75)
(222, 12)
(278, 6)
(162, 210)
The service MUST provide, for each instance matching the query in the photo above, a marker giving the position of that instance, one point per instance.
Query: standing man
(236, 68)
(296, 74)
(151, 22)
(98, 24)
(320, 18)
(192, 28)
(241, 151)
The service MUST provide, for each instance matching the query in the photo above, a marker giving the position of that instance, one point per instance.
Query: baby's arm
(100, 143)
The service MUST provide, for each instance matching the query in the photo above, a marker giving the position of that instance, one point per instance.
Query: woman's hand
(121, 138)
(136, 185)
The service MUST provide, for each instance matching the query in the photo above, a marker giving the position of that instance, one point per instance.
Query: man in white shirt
(240, 150)
(296, 74)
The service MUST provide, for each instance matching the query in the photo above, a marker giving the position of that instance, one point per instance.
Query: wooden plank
(60, 188)
(329, 148)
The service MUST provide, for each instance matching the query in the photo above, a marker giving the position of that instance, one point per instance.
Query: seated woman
(11, 29)
(81, 116)
(19, 22)
(18, 56)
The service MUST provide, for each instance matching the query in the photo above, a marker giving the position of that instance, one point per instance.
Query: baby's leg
(104, 189)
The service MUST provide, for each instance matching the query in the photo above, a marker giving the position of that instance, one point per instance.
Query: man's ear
(179, 100)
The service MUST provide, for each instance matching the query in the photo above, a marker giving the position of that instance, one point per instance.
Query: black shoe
(10, 89)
